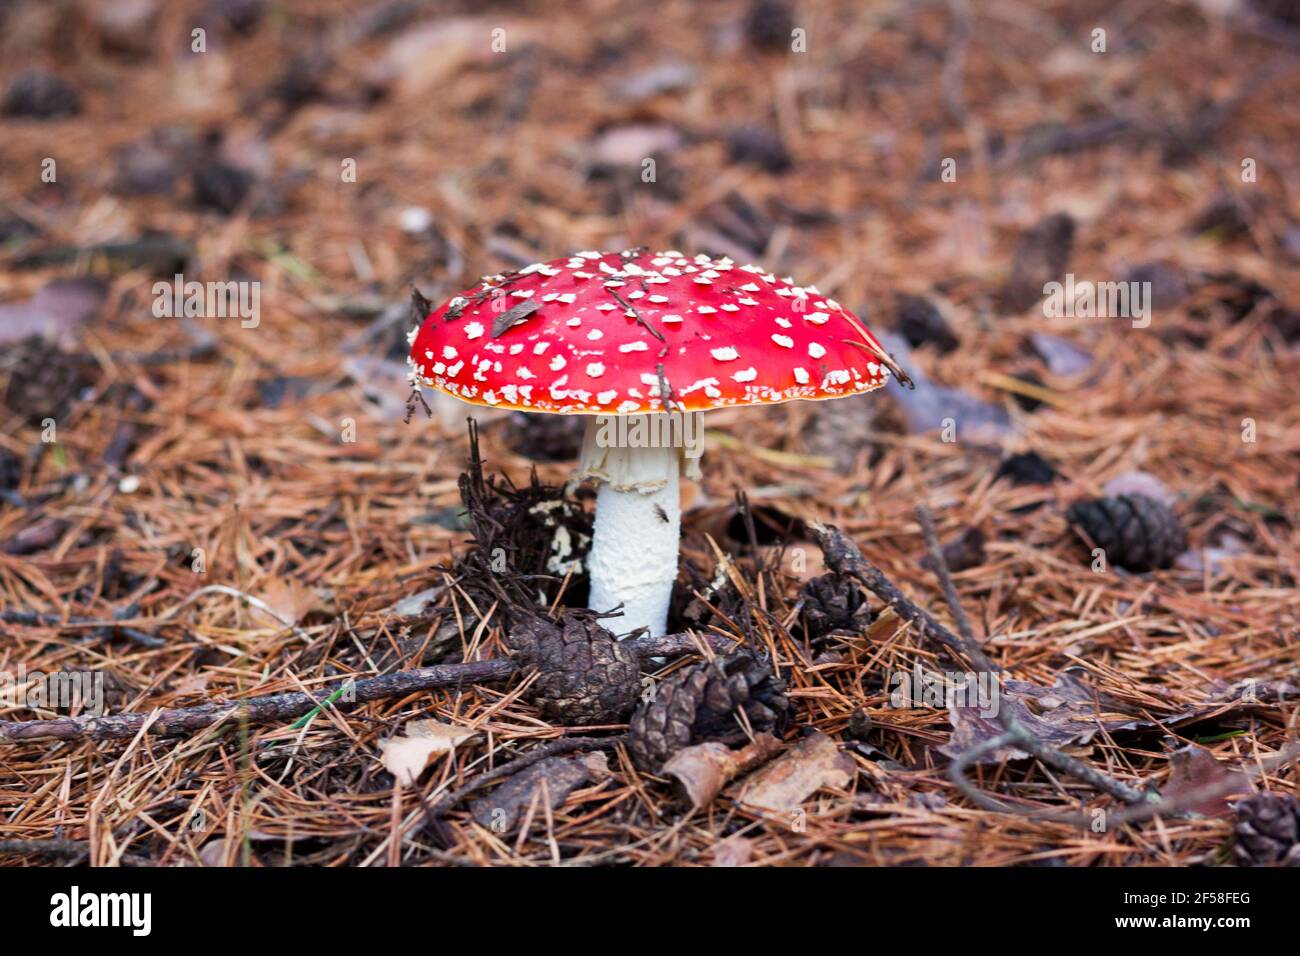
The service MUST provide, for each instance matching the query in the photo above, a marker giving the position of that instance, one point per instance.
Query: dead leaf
(191, 685)
(627, 146)
(885, 626)
(1068, 712)
(928, 405)
(502, 809)
(1195, 767)
(429, 54)
(812, 763)
(415, 605)
(1140, 483)
(1062, 356)
(223, 851)
(289, 600)
(406, 757)
(56, 312)
(384, 384)
(662, 77)
(733, 851)
(703, 770)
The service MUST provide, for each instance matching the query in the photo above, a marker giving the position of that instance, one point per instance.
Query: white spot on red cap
(724, 354)
(473, 330)
(816, 349)
(746, 375)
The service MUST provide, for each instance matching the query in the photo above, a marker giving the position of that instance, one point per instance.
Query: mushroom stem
(633, 558)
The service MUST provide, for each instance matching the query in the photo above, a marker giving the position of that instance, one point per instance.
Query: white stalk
(633, 558)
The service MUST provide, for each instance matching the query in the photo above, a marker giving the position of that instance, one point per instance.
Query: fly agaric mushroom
(643, 343)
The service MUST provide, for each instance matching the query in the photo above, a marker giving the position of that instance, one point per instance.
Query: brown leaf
(1195, 767)
(733, 851)
(703, 770)
(427, 55)
(814, 762)
(225, 851)
(513, 316)
(627, 145)
(190, 685)
(289, 600)
(1068, 712)
(214, 852)
(405, 757)
(502, 809)
(57, 311)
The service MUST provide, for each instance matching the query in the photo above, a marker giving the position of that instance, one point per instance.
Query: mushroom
(643, 343)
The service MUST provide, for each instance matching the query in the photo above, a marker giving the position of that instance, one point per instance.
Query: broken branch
(279, 707)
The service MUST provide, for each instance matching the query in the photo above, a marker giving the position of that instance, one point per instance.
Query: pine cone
(1268, 826)
(43, 382)
(920, 322)
(1136, 532)
(1041, 256)
(701, 703)
(831, 603)
(587, 677)
(769, 23)
(11, 469)
(662, 725)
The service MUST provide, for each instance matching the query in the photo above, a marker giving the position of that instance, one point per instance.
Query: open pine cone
(703, 702)
(587, 677)
(1268, 830)
(834, 603)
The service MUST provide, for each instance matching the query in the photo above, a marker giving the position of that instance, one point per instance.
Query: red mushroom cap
(600, 333)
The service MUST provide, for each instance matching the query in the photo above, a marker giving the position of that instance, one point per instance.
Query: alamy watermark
(133, 911)
(1098, 300)
(921, 688)
(58, 690)
(208, 300)
(662, 430)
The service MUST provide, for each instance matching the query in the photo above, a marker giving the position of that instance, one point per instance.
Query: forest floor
(932, 166)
